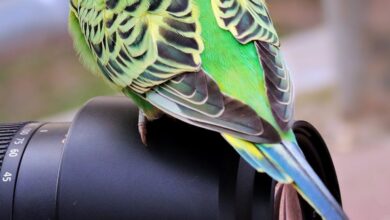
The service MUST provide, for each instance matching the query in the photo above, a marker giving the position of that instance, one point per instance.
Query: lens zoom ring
(7, 132)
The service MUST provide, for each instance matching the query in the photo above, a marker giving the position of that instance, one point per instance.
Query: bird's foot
(142, 122)
(286, 200)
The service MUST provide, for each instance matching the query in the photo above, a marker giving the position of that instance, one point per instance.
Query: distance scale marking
(9, 170)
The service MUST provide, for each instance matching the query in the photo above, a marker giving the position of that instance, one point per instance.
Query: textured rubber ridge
(7, 132)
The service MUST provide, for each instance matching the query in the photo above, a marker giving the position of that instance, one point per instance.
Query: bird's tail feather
(290, 160)
(256, 158)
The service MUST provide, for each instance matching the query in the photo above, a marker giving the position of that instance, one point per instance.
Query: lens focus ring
(7, 132)
(15, 138)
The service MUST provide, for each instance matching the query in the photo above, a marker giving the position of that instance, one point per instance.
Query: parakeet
(215, 64)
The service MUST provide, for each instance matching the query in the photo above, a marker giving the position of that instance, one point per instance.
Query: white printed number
(25, 131)
(7, 177)
(19, 141)
(13, 153)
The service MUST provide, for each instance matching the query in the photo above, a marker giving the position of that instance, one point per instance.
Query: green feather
(85, 53)
(234, 66)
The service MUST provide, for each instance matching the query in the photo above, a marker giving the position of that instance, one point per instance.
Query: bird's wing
(141, 43)
(249, 21)
(196, 99)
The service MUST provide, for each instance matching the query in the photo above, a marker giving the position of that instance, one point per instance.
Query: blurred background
(337, 50)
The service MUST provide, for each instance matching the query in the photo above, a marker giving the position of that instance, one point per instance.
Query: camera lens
(97, 168)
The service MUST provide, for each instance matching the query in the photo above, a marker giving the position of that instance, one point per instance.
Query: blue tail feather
(288, 157)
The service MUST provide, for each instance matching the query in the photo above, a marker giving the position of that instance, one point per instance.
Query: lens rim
(10, 167)
(317, 154)
(36, 187)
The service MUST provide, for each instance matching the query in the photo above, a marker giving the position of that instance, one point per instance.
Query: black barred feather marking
(154, 5)
(279, 85)
(247, 20)
(132, 7)
(73, 6)
(141, 43)
(179, 6)
(196, 99)
(180, 26)
(111, 4)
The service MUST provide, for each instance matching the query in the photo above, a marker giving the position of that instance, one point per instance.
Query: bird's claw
(142, 122)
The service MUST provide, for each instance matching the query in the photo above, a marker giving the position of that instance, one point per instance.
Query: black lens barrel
(97, 168)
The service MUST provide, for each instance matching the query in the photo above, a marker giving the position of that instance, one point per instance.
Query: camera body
(97, 168)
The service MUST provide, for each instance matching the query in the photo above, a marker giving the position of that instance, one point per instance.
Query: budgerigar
(215, 64)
